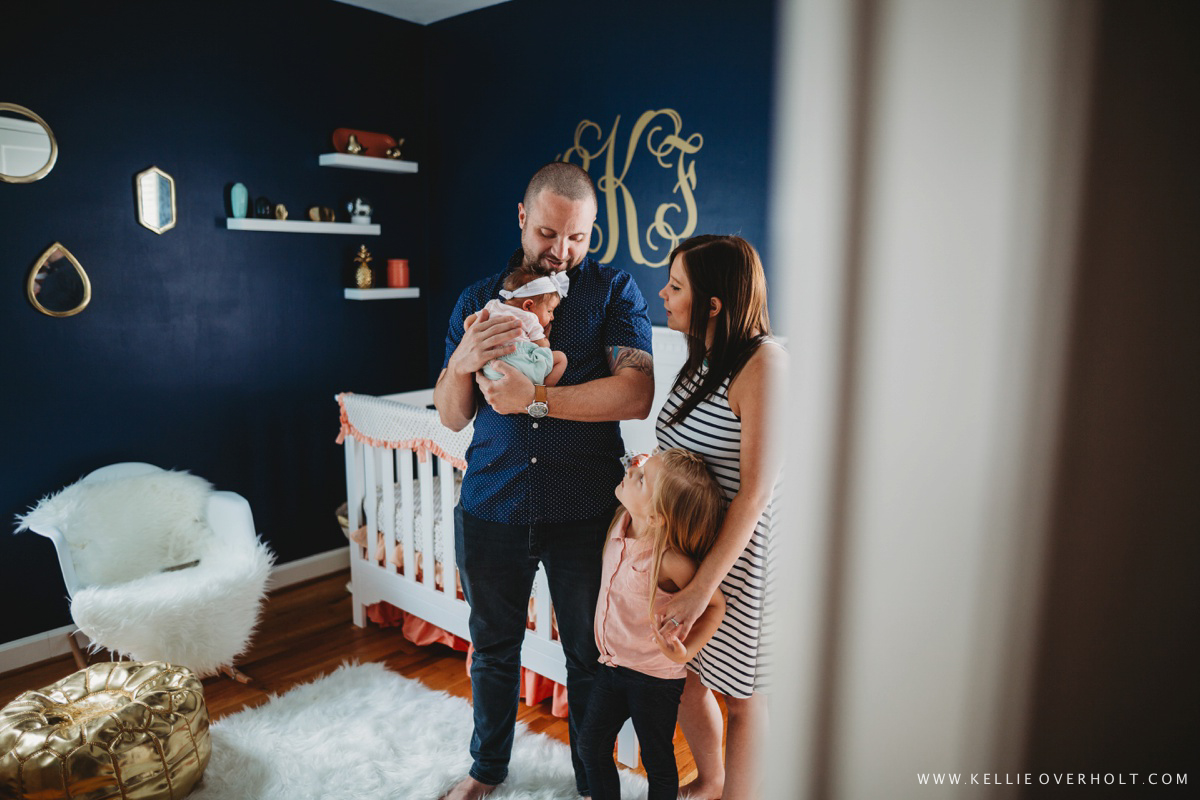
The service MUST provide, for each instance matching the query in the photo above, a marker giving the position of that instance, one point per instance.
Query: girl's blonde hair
(688, 509)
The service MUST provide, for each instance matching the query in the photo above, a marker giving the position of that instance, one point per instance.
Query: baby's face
(544, 309)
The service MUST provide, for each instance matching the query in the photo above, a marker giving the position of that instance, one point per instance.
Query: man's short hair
(567, 180)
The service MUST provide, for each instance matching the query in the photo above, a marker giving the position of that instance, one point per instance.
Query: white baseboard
(32, 649)
(22, 653)
(304, 569)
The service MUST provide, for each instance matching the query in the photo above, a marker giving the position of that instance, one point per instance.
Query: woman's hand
(677, 616)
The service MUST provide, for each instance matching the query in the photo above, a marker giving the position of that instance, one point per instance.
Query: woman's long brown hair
(729, 269)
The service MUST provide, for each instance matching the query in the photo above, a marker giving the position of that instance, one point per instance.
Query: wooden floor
(307, 632)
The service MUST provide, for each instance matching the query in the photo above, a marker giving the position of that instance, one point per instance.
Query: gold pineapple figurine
(353, 146)
(362, 275)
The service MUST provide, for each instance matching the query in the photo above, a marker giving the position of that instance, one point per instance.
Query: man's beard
(538, 265)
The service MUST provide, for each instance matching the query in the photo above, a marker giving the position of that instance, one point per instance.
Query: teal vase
(239, 200)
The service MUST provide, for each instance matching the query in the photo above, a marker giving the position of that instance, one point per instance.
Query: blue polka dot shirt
(525, 471)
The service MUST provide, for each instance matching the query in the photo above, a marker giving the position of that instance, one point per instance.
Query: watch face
(537, 409)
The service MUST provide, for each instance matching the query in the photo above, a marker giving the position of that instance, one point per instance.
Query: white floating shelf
(298, 226)
(382, 294)
(347, 161)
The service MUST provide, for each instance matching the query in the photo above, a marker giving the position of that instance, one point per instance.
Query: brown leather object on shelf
(374, 144)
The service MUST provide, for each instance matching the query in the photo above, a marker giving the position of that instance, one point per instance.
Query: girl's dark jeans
(617, 695)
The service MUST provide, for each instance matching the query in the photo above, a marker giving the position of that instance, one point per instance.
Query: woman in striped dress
(721, 408)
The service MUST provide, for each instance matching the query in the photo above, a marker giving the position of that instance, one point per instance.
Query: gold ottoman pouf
(120, 729)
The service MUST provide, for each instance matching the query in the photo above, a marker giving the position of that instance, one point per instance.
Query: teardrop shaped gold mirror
(57, 285)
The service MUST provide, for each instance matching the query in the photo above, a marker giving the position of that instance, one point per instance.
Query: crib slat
(354, 493)
(386, 493)
(449, 569)
(541, 591)
(370, 482)
(405, 457)
(425, 471)
(627, 746)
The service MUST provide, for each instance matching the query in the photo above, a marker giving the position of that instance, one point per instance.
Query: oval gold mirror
(28, 149)
(155, 199)
(57, 285)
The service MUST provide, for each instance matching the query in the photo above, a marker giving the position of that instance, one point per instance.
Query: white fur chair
(158, 566)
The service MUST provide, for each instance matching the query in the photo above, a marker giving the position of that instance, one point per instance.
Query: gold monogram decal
(673, 151)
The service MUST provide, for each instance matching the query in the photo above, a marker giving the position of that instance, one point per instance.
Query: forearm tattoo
(620, 358)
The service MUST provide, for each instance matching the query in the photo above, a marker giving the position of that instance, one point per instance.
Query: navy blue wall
(220, 351)
(203, 349)
(510, 83)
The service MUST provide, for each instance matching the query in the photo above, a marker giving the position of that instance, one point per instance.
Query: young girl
(671, 510)
(531, 297)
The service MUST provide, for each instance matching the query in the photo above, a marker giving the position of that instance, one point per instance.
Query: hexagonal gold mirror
(28, 148)
(57, 284)
(155, 199)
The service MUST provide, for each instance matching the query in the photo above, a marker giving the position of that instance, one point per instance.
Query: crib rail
(373, 471)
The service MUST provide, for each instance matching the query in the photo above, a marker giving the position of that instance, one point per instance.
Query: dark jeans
(653, 703)
(497, 564)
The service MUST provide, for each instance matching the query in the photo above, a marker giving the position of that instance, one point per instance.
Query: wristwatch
(538, 408)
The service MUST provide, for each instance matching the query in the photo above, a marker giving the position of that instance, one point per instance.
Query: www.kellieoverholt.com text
(1052, 778)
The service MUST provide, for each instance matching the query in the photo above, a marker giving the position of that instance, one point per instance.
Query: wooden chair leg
(233, 672)
(76, 650)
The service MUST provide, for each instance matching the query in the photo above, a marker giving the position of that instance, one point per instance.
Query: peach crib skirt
(534, 688)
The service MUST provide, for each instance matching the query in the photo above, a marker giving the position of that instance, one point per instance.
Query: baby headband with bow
(554, 282)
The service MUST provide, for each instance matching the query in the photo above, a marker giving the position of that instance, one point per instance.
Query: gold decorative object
(314, 213)
(363, 277)
(352, 145)
(29, 144)
(118, 729)
(155, 199)
(57, 284)
(280, 211)
(394, 152)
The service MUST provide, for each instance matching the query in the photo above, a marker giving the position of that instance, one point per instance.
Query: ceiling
(422, 12)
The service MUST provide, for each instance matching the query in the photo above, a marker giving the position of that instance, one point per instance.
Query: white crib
(406, 476)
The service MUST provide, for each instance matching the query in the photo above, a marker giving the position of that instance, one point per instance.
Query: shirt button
(535, 424)
(533, 460)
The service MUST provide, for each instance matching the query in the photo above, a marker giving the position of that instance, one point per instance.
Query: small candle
(397, 272)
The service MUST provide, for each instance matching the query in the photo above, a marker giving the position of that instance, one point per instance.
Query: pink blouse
(623, 627)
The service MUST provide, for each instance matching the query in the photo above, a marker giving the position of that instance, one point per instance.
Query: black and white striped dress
(732, 662)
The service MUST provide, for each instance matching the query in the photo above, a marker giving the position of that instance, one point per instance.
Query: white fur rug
(370, 734)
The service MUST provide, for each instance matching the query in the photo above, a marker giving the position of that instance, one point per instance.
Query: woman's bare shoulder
(765, 369)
